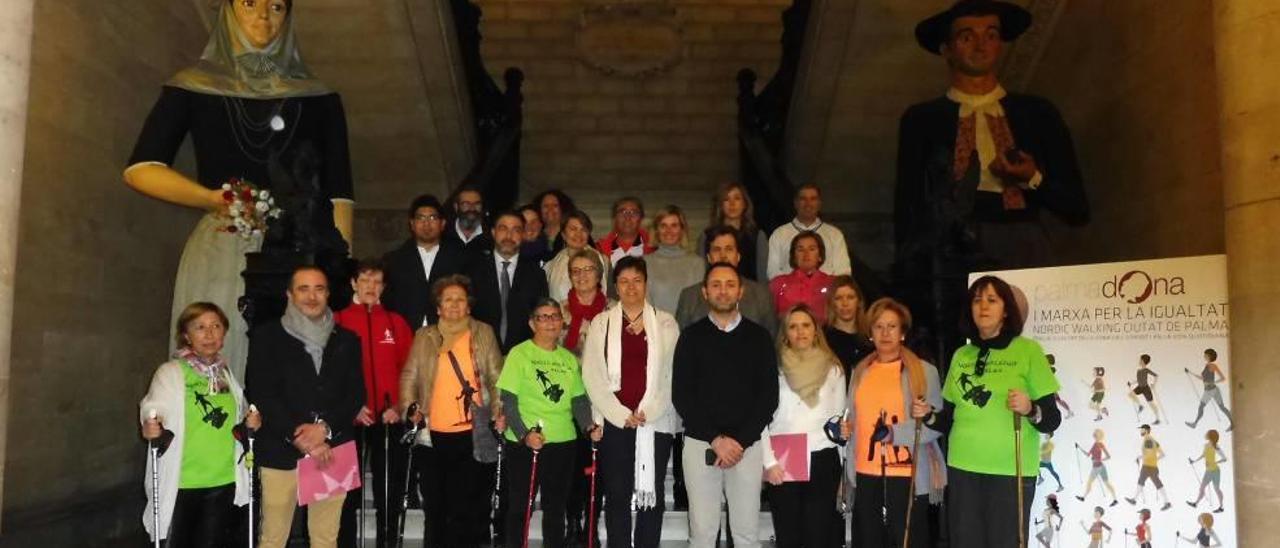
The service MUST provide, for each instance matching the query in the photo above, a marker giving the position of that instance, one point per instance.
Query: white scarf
(645, 495)
(984, 105)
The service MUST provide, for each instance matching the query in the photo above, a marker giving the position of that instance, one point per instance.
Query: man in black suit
(505, 286)
(304, 374)
(467, 227)
(975, 168)
(421, 260)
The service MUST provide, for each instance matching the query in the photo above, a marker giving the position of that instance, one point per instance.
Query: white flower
(262, 206)
(226, 186)
(264, 194)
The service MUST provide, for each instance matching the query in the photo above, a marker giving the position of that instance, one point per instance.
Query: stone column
(15, 72)
(1247, 48)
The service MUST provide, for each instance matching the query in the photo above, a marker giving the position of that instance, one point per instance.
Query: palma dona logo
(1136, 286)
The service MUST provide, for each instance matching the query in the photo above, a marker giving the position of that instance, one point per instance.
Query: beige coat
(417, 378)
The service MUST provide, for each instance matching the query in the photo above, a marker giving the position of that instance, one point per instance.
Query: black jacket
(408, 290)
(528, 284)
(478, 244)
(282, 381)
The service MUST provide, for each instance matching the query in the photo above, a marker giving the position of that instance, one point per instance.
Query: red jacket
(393, 340)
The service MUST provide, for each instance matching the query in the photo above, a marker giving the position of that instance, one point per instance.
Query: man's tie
(504, 290)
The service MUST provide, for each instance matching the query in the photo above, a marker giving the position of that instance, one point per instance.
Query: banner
(1140, 349)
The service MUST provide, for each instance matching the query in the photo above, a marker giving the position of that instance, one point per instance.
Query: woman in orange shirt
(881, 430)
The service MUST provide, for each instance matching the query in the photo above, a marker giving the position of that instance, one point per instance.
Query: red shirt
(635, 363)
(798, 287)
(391, 341)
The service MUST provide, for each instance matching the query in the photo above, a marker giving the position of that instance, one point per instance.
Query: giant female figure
(254, 112)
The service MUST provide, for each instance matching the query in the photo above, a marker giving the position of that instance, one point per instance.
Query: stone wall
(604, 135)
(94, 272)
(1135, 82)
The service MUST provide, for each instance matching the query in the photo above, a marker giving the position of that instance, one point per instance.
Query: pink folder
(342, 475)
(792, 452)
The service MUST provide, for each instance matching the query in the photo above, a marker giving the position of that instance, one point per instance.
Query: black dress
(233, 138)
(849, 347)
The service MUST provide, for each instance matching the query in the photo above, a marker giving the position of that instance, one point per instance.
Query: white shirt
(428, 257)
(985, 105)
(733, 324)
(794, 416)
(511, 268)
(837, 255)
(461, 236)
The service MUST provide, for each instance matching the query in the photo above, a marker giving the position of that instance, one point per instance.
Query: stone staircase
(675, 523)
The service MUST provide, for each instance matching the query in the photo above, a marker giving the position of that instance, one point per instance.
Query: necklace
(636, 325)
(254, 137)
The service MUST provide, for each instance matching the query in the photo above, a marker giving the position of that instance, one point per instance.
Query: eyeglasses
(631, 213)
(548, 318)
(583, 270)
(980, 366)
(426, 218)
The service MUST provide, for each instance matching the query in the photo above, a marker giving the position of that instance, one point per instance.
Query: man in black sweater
(725, 387)
(304, 374)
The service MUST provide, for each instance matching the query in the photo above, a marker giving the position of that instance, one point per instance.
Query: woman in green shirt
(194, 397)
(998, 378)
(542, 396)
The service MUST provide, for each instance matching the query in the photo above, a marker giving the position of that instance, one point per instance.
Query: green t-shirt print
(545, 383)
(208, 449)
(981, 439)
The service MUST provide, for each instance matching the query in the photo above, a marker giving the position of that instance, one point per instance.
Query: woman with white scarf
(810, 392)
(627, 371)
(202, 476)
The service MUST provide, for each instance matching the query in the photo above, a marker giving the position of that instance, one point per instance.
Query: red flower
(228, 196)
(232, 229)
(246, 194)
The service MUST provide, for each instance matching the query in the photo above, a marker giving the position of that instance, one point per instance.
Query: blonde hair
(819, 338)
(193, 311)
(889, 304)
(670, 211)
(860, 319)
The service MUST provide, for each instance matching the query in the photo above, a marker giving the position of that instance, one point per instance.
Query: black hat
(934, 31)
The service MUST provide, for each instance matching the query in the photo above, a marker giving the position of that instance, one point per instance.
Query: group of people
(513, 352)
(635, 362)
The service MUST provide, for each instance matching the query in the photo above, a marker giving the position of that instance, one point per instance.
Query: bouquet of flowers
(248, 208)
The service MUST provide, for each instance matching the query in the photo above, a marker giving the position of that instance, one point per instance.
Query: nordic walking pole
(410, 437)
(533, 487)
(495, 498)
(252, 468)
(911, 486)
(385, 520)
(591, 504)
(154, 449)
(1017, 456)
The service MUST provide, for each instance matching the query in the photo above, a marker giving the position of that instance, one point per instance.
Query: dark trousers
(555, 475)
(868, 528)
(452, 484)
(981, 509)
(201, 517)
(617, 476)
(369, 444)
(802, 510)
(578, 509)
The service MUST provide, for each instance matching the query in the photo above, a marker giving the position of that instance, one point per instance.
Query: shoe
(1059, 488)
(1105, 412)
(1113, 502)
(1192, 504)
(1097, 418)
(1079, 498)
(1166, 506)
(1039, 481)
(1157, 421)
(1130, 501)
(1191, 424)
(1218, 511)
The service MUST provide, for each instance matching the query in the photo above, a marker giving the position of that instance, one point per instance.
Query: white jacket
(167, 396)
(793, 416)
(661, 332)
